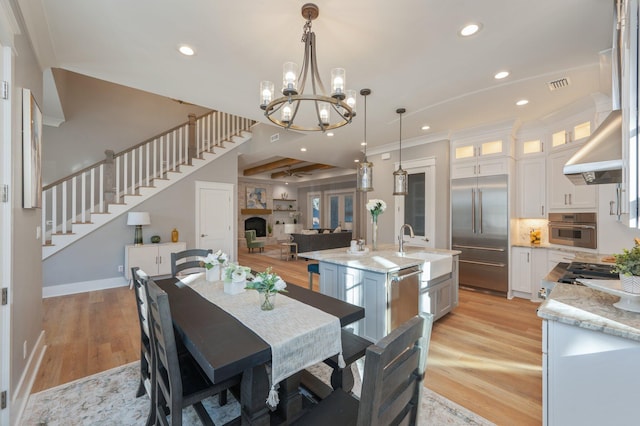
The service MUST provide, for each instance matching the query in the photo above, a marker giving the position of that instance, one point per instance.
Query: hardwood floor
(486, 355)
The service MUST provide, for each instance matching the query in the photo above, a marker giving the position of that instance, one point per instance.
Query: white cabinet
(563, 194)
(480, 158)
(588, 377)
(528, 268)
(531, 193)
(154, 259)
(440, 296)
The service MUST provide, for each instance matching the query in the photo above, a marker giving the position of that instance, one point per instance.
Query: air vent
(275, 137)
(558, 84)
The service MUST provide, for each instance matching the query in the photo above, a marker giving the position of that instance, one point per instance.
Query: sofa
(321, 241)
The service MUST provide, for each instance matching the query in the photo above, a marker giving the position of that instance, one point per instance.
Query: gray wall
(102, 115)
(98, 255)
(26, 250)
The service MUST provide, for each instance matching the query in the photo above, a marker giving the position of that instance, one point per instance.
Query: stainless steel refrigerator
(479, 229)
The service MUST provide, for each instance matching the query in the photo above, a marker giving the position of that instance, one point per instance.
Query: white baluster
(92, 200)
(54, 209)
(74, 201)
(84, 197)
(101, 189)
(117, 194)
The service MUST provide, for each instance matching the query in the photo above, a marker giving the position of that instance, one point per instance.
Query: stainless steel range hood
(599, 161)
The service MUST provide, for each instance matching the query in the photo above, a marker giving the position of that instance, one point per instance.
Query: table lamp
(138, 219)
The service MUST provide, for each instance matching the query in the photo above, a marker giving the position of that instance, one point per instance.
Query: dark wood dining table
(224, 347)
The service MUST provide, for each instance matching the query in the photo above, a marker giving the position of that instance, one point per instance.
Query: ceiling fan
(295, 173)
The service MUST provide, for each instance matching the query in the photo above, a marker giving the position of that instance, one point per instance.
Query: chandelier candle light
(376, 207)
(318, 104)
(364, 170)
(400, 183)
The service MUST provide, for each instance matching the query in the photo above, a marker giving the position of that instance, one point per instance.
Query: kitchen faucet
(401, 236)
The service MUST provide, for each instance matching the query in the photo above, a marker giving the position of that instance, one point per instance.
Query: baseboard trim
(23, 390)
(83, 286)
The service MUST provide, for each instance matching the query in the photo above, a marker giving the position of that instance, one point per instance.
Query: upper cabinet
(531, 195)
(574, 132)
(563, 194)
(481, 157)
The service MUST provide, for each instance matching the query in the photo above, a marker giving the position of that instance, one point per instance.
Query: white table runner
(299, 335)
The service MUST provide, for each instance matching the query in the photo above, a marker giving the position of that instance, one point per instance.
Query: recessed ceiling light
(286, 183)
(425, 127)
(501, 74)
(303, 149)
(363, 143)
(522, 102)
(469, 30)
(329, 134)
(356, 161)
(186, 50)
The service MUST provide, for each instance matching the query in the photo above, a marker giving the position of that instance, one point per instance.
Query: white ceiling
(407, 52)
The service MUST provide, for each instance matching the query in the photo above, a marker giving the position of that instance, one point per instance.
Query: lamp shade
(138, 218)
(289, 228)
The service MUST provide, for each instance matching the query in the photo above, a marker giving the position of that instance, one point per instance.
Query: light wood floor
(486, 355)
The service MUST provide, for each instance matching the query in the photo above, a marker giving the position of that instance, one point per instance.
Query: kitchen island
(591, 353)
(391, 286)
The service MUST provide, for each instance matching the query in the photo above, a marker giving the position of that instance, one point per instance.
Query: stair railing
(75, 198)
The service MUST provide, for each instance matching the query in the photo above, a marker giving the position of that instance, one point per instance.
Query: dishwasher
(403, 296)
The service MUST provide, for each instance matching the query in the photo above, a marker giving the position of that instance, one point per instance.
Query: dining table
(225, 347)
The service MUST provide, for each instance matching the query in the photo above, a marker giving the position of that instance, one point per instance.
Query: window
(314, 211)
(340, 210)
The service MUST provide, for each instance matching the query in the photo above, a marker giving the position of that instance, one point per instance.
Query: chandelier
(313, 110)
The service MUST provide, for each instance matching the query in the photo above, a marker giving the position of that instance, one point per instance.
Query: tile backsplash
(524, 226)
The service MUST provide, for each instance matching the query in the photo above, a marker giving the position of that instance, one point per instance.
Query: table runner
(299, 335)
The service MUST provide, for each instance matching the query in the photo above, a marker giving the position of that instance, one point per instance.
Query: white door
(418, 207)
(214, 218)
(5, 224)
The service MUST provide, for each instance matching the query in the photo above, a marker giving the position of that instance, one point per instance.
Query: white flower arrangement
(215, 259)
(234, 272)
(376, 207)
(267, 282)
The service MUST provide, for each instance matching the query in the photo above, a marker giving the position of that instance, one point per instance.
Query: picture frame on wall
(31, 152)
(256, 198)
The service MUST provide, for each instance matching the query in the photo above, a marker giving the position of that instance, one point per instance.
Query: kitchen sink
(434, 266)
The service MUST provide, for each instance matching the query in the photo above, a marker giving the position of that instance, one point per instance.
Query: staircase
(81, 203)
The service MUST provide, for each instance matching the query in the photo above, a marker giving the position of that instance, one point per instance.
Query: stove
(589, 271)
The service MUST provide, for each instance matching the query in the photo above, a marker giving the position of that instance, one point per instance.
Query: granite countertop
(384, 260)
(590, 309)
(580, 256)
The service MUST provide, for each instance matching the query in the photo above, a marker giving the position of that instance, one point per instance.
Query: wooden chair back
(188, 260)
(393, 375)
(167, 376)
(139, 285)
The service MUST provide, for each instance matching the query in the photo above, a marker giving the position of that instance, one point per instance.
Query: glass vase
(374, 235)
(267, 300)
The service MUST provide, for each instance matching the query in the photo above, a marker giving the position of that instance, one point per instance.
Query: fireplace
(258, 224)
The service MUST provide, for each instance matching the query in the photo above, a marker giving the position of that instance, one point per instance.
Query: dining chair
(391, 384)
(178, 380)
(145, 338)
(250, 238)
(188, 261)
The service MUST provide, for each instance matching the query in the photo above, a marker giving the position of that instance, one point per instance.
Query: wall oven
(573, 229)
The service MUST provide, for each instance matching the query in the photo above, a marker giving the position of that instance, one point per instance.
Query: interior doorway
(215, 213)
(418, 207)
(5, 227)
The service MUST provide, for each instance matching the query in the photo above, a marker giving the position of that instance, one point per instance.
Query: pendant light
(400, 183)
(364, 181)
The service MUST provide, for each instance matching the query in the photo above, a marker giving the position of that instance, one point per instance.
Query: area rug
(108, 398)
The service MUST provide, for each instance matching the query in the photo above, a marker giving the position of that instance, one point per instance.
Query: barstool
(313, 268)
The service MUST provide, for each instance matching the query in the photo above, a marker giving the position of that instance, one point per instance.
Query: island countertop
(385, 259)
(590, 309)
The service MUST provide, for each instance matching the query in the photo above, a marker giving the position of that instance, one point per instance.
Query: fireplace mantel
(255, 211)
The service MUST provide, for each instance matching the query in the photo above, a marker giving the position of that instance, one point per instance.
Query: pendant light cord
(365, 129)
